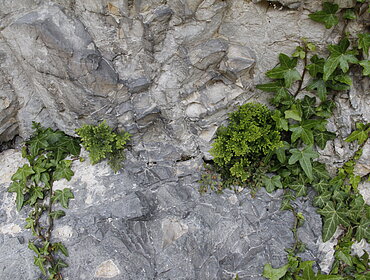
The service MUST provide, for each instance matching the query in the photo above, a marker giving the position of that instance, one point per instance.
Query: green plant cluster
(304, 102)
(102, 142)
(241, 146)
(50, 154)
(47, 151)
(303, 120)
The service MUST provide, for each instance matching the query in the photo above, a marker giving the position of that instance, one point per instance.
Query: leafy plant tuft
(103, 143)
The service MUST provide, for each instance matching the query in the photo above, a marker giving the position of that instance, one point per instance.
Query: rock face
(168, 72)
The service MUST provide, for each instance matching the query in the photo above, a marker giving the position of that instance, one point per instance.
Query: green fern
(103, 143)
(242, 146)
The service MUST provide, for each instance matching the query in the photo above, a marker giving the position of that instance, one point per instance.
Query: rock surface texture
(168, 72)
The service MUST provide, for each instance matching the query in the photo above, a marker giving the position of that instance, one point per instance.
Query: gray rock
(169, 72)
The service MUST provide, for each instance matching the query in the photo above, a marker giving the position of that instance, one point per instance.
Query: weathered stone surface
(169, 72)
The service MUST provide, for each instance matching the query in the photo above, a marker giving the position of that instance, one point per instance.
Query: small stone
(107, 269)
(195, 110)
(172, 230)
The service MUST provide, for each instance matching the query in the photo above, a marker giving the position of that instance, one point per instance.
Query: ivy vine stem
(303, 72)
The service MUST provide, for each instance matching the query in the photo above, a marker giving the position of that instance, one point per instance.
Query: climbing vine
(50, 154)
(304, 86)
(46, 151)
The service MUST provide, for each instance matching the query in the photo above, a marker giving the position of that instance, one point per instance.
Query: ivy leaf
(36, 193)
(318, 85)
(294, 113)
(363, 230)
(308, 106)
(39, 261)
(304, 157)
(63, 170)
(37, 143)
(364, 42)
(281, 122)
(321, 199)
(320, 171)
(299, 186)
(344, 78)
(272, 183)
(332, 218)
(18, 188)
(308, 273)
(304, 130)
(316, 67)
(299, 131)
(366, 65)
(30, 224)
(349, 14)
(322, 186)
(23, 173)
(60, 247)
(344, 257)
(285, 71)
(33, 247)
(321, 137)
(272, 87)
(339, 56)
(325, 109)
(327, 15)
(274, 273)
(282, 96)
(57, 214)
(73, 145)
(280, 152)
(359, 135)
(63, 196)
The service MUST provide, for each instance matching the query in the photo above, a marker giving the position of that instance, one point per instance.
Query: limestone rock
(169, 72)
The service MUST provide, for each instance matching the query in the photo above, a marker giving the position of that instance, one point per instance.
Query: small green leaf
(18, 188)
(63, 170)
(274, 274)
(57, 214)
(294, 113)
(308, 273)
(304, 157)
(344, 78)
(60, 247)
(344, 257)
(349, 14)
(366, 65)
(327, 15)
(281, 122)
(321, 199)
(23, 173)
(321, 137)
(272, 183)
(63, 196)
(364, 42)
(363, 230)
(339, 56)
(332, 218)
(316, 66)
(33, 247)
(319, 86)
(39, 261)
(36, 193)
(359, 135)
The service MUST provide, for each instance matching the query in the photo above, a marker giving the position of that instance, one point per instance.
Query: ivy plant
(50, 154)
(303, 87)
(102, 142)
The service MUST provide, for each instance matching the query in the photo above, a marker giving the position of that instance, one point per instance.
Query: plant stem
(50, 218)
(303, 73)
